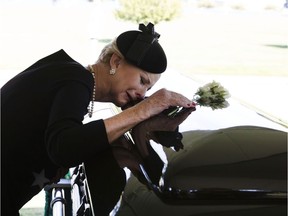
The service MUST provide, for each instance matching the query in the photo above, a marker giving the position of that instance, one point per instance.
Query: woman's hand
(162, 100)
(162, 122)
(144, 131)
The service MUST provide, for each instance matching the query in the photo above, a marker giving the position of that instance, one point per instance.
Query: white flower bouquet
(210, 95)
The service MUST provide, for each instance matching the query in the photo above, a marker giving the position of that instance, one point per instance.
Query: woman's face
(130, 84)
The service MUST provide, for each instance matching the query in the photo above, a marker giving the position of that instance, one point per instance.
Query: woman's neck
(101, 72)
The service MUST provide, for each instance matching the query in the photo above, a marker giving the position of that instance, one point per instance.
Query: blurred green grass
(201, 41)
(234, 43)
(32, 212)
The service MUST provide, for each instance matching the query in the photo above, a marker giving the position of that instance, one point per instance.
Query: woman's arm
(151, 106)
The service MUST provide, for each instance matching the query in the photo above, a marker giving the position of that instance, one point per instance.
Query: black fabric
(170, 139)
(153, 165)
(42, 110)
(142, 49)
(106, 182)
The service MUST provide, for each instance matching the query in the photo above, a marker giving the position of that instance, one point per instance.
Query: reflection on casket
(240, 164)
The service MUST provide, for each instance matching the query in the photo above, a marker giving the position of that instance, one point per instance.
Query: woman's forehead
(152, 77)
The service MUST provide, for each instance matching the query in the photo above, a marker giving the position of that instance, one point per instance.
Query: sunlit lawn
(231, 43)
(202, 41)
(32, 212)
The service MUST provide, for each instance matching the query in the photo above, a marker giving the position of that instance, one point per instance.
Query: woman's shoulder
(60, 64)
(57, 56)
(57, 67)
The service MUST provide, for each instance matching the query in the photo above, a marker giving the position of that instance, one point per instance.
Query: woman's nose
(140, 96)
(141, 93)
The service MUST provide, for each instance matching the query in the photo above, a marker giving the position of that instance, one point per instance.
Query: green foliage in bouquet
(212, 95)
(145, 11)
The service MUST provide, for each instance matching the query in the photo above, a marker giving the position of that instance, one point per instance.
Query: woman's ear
(115, 61)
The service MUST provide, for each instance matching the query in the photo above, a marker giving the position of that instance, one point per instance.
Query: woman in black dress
(42, 109)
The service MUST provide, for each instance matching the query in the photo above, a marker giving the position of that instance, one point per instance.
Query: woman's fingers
(163, 99)
(166, 123)
(169, 98)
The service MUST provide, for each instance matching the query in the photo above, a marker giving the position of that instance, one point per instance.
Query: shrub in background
(238, 6)
(206, 4)
(144, 11)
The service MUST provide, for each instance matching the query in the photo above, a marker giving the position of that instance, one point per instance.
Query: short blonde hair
(108, 51)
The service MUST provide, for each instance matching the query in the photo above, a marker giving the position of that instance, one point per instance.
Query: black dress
(42, 110)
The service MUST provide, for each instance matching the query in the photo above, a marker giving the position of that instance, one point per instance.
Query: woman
(43, 108)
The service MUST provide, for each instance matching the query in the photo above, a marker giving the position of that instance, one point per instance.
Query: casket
(238, 170)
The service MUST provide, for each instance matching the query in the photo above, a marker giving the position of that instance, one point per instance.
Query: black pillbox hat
(141, 48)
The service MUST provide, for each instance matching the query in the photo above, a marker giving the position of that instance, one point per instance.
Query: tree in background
(144, 11)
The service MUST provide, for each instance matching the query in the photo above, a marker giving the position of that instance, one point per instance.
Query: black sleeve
(69, 141)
